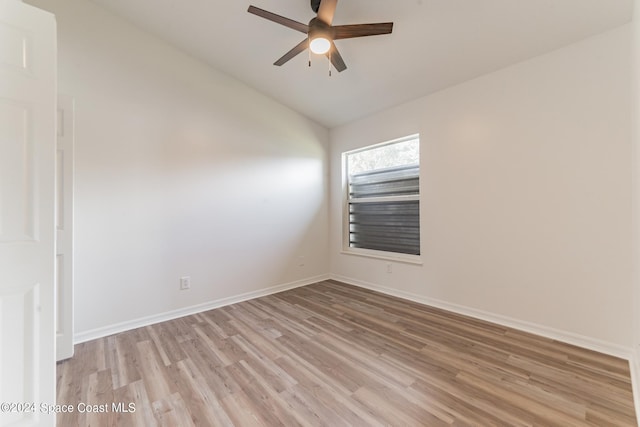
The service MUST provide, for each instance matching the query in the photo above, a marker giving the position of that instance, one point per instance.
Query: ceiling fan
(320, 33)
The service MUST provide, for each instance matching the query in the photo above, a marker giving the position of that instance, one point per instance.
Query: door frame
(64, 226)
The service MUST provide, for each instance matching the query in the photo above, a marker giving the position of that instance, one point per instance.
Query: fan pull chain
(309, 49)
(330, 62)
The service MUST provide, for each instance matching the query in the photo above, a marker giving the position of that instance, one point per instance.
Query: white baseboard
(545, 331)
(186, 311)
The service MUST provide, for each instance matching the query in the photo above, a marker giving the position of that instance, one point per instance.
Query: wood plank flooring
(331, 354)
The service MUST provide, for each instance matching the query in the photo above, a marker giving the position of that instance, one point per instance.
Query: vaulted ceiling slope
(435, 44)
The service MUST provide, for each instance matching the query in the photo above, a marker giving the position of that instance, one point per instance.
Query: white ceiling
(435, 44)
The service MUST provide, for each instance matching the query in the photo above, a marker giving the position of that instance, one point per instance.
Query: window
(383, 197)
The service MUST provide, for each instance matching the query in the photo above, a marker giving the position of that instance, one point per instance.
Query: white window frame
(371, 253)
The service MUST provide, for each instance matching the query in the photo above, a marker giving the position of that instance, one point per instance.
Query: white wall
(526, 185)
(180, 170)
(635, 128)
(635, 142)
(525, 194)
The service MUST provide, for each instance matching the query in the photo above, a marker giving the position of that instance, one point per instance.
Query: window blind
(384, 210)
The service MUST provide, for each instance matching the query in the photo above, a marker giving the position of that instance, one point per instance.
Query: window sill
(386, 256)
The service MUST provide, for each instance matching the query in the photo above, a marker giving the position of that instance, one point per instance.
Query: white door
(27, 216)
(64, 228)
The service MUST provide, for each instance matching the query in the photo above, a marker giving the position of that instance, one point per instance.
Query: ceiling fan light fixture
(320, 45)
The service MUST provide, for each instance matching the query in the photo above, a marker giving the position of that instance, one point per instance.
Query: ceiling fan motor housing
(318, 28)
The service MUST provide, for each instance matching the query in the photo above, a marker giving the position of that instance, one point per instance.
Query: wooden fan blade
(293, 52)
(326, 11)
(336, 58)
(361, 30)
(298, 26)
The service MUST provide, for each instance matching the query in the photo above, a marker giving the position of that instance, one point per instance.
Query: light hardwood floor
(331, 354)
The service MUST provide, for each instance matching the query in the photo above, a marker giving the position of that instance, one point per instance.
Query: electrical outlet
(185, 283)
(389, 268)
(300, 261)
